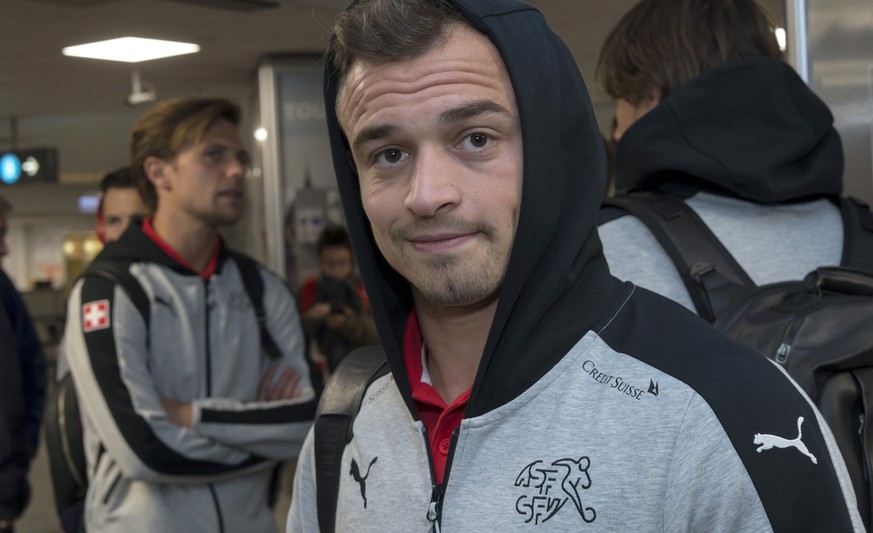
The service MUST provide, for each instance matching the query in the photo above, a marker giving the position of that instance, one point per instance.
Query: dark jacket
(31, 359)
(14, 457)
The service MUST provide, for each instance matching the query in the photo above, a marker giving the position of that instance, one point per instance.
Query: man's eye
(390, 156)
(476, 142)
(478, 139)
(214, 155)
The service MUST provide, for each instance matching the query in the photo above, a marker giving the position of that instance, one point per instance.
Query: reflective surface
(840, 54)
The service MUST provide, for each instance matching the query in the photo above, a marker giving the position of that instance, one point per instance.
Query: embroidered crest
(553, 486)
(95, 315)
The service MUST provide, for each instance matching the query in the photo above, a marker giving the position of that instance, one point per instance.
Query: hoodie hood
(135, 245)
(749, 128)
(557, 286)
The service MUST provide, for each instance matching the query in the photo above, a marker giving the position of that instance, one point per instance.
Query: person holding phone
(334, 306)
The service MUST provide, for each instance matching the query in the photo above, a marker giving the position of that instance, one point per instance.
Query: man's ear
(157, 171)
(654, 100)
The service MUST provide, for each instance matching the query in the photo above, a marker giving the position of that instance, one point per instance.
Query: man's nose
(237, 167)
(435, 183)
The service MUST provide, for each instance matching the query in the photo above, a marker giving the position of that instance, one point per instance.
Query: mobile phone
(334, 292)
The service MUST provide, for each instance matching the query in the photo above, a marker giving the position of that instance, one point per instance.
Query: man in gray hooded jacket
(185, 412)
(528, 387)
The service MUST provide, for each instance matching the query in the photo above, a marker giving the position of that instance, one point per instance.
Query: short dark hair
(333, 236)
(387, 31)
(123, 178)
(662, 44)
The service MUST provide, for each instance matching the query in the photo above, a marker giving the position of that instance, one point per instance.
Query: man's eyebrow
(473, 109)
(469, 110)
(372, 133)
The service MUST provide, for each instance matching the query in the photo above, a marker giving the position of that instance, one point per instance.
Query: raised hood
(769, 138)
(557, 285)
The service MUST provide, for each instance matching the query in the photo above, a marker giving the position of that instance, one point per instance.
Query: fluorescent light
(780, 38)
(130, 49)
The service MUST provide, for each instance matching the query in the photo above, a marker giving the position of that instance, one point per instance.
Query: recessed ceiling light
(130, 49)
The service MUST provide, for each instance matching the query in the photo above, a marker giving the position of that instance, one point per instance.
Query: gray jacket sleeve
(267, 429)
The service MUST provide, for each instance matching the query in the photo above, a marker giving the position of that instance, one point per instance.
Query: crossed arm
(285, 387)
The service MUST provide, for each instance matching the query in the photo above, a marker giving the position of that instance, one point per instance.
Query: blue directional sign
(24, 166)
(10, 168)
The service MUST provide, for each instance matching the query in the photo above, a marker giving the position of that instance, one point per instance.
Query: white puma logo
(767, 442)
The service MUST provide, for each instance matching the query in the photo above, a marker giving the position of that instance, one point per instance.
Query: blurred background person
(189, 404)
(708, 111)
(24, 380)
(124, 198)
(334, 305)
(14, 460)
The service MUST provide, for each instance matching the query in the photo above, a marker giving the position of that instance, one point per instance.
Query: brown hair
(386, 31)
(659, 45)
(168, 127)
(333, 235)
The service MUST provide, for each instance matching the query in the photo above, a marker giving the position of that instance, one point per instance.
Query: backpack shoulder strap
(857, 234)
(254, 287)
(609, 212)
(118, 271)
(710, 273)
(65, 445)
(864, 378)
(334, 418)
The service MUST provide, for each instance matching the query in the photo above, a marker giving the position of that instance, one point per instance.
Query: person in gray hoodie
(708, 111)
(529, 389)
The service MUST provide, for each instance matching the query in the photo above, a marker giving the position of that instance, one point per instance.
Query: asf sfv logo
(551, 486)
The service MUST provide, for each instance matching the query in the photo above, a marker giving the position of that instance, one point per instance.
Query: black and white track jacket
(201, 345)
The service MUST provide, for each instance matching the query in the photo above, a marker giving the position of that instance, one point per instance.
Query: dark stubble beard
(452, 279)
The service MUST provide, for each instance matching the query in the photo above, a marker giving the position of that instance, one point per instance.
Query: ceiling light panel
(130, 49)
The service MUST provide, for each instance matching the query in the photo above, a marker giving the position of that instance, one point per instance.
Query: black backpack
(337, 409)
(63, 423)
(820, 329)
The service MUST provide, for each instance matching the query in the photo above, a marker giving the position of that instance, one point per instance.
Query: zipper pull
(433, 510)
(782, 353)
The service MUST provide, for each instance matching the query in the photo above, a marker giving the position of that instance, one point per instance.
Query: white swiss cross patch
(95, 315)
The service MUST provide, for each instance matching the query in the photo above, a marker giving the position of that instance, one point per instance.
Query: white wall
(42, 215)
